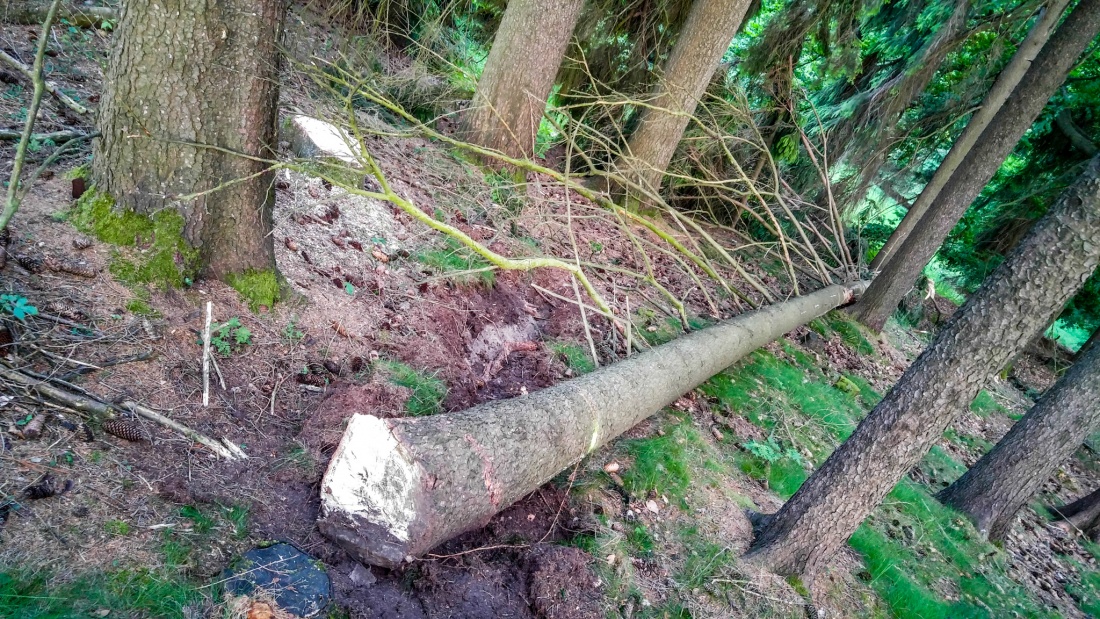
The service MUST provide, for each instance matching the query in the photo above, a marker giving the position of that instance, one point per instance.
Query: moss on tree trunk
(188, 112)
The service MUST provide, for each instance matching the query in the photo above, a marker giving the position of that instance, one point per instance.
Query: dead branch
(224, 449)
(50, 87)
(29, 13)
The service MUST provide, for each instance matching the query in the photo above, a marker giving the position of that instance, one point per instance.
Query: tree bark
(190, 103)
(981, 163)
(1003, 86)
(1021, 297)
(397, 487)
(706, 35)
(1007, 477)
(519, 74)
(1082, 515)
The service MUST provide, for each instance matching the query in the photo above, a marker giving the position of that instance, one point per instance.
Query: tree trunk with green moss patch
(190, 102)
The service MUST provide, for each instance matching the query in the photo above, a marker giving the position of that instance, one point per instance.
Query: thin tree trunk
(1024, 294)
(519, 74)
(398, 487)
(1082, 515)
(1007, 477)
(706, 35)
(1003, 86)
(981, 163)
(191, 97)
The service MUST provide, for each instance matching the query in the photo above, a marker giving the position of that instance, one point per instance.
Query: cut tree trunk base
(395, 488)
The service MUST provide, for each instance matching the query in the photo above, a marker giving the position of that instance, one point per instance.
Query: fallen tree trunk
(34, 13)
(395, 488)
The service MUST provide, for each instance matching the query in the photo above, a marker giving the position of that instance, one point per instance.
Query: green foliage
(17, 306)
(428, 391)
(704, 559)
(230, 336)
(166, 258)
(259, 288)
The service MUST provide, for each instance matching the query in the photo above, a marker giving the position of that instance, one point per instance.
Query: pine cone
(53, 264)
(66, 310)
(124, 429)
(82, 242)
(80, 270)
(5, 237)
(30, 263)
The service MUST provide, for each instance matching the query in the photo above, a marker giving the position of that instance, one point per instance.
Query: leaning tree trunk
(985, 157)
(1021, 297)
(994, 99)
(190, 107)
(519, 73)
(1007, 477)
(1082, 515)
(706, 35)
(397, 487)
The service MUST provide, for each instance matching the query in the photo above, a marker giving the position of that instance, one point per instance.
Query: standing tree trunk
(519, 73)
(1006, 478)
(1021, 297)
(995, 144)
(190, 101)
(706, 35)
(1081, 515)
(1006, 81)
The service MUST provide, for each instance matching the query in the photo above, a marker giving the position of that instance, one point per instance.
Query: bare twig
(50, 87)
(206, 355)
(35, 75)
(220, 448)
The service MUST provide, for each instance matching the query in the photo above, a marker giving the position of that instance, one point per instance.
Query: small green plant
(17, 306)
(291, 333)
(229, 336)
(117, 527)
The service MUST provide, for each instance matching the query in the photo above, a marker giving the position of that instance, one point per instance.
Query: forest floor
(389, 318)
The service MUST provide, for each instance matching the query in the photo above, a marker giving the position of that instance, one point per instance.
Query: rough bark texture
(1007, 477)
(398, 487)
(996, 142)
(1082, 515)
(706, 35)
(1021, 297)
(196, 72)
(1003, 86)
(519, 73)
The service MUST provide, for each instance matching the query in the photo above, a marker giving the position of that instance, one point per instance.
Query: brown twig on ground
(49, 86)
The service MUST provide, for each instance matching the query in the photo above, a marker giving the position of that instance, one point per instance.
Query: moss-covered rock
(163, 258)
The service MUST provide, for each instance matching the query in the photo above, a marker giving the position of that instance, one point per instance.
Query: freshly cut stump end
(396, 488)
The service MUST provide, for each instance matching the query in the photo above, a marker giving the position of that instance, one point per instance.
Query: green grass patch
(129, 592)
(702, 561)
(428, 391)
(660, 463)
(166, 259)
(915, 549)
(575, 356)
(457, 262)
(985, 405)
